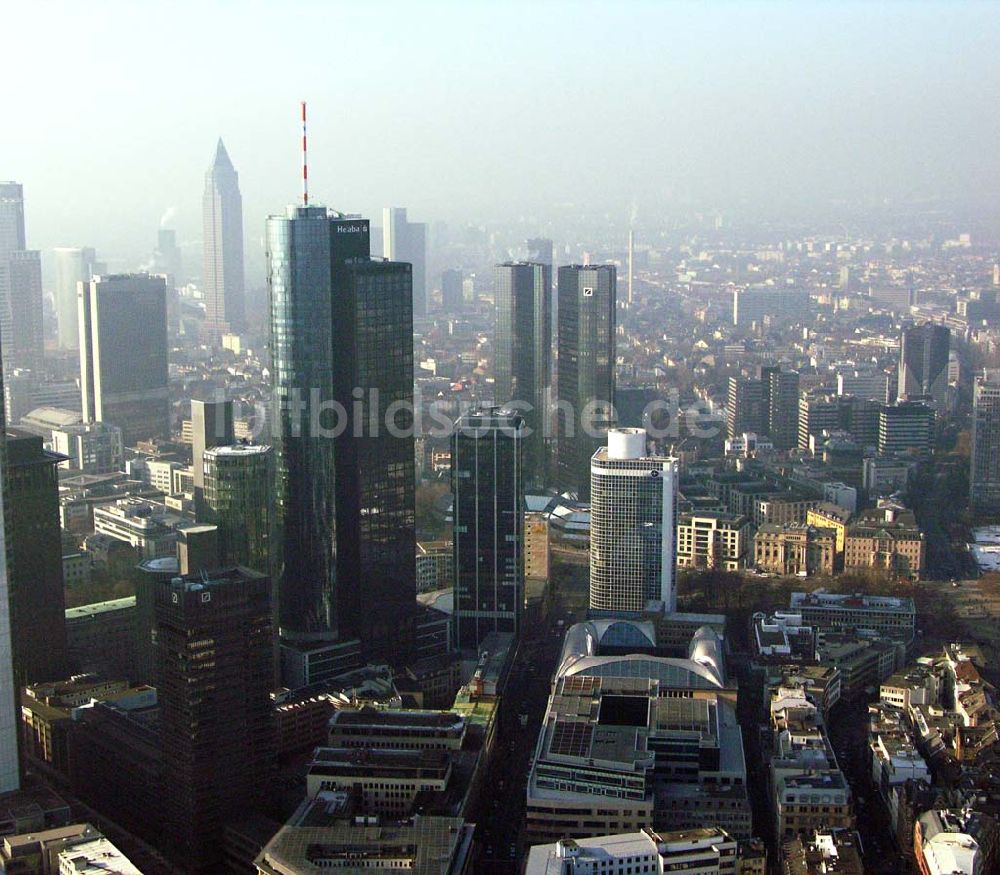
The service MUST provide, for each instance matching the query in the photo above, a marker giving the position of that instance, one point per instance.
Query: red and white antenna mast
(305, 163)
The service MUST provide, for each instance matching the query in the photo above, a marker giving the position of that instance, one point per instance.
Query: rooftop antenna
(305, 163)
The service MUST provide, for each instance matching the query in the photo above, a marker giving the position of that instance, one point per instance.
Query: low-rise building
(824, 852)
(631, 739)
(706, 851)
(891, 616)
(101, 637)
(895, 547)
(798, 549)
(435, 566)
(713, 540)
(827, 515)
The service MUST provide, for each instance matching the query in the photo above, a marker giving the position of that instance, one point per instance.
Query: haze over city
(495, 111)
(583, 458)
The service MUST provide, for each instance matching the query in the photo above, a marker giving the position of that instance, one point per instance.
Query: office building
(452, 300)
(238, 488)
(375, 465)
(78, 849)
(923, 362)
(12, 236)
(868, 385)
(744, 407)
(222, 241)
(586, 373)
(211, 426)
(807, 787)
(34, 559)
(215, 654)
(984, 475)
(632, 525)
(889, 616)
(101, 638)
(706, 851)
(90, 448)
(905, 427)
(780, 406)
(765, 305)
(893, 546)
(308, 250)
(10, 769)
(73, 266)
(632, 740)
(341, 327)
(21, 310)
(713, 539)
(406, 241)
(539, 250)
(20, 286)
(522, 349)
(488, 489)
(123, 355)
(167, 256)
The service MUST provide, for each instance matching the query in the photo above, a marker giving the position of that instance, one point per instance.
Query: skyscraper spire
(222, 271)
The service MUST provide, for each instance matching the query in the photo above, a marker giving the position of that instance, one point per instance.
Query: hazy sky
(474, 109)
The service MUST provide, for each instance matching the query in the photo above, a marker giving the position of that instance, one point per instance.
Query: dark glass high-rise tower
(523, 354)
(123, 355)
(342, 334)
(923, 362)
(308, 250)
(222, 216)
(488, 490)
(585, 386)
(780, 405)
(215, 657)
(34, 556)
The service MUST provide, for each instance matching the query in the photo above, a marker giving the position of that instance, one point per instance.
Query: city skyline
(884, 148)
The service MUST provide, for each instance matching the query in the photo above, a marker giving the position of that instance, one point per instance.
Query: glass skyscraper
(238, 483)
(488, 490)
(923, 362)
(585, 386)
(984, 479)
(123, 355)
(222, 217)
(10, 768)
(342, 338)
(308, 250)
(523, 353)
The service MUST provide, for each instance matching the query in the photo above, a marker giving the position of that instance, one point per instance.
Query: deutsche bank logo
(588, 291)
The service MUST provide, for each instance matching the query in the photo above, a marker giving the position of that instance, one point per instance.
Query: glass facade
(376, 550)
(488, 486)
(123, 355)
(631, 533)
(342, 340)
(523, 353)
(238, 500)
(586, 369)
(307, 253)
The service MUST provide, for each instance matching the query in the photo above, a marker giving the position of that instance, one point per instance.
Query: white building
(95, 857)
(699, 851)
(632, 517)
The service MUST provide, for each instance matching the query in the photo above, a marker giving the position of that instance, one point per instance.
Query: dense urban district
(510, 548)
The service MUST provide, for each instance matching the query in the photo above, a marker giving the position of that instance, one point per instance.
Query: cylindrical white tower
(631, 525)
